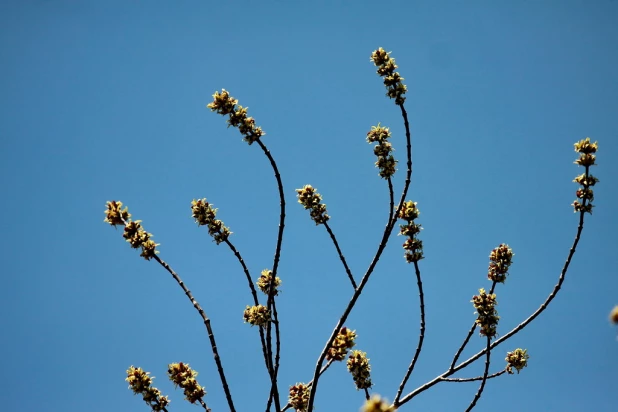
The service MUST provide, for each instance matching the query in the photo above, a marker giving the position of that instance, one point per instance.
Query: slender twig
(211, 335)
(463, 346)
(468, 336)
(478, 394)
(367, 396)
(477, 378)
(273, 394)
(255, 300)
(206, 408)
(391, 195)
(271, 294)
(387, 231)
(341, 257)
(421, 335)
(277, 354)
(516, 329)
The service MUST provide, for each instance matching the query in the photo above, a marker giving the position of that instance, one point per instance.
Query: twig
(206, 408)
(391, 196)
(211, 335)
(484, 381)
(463, 346)
(271, 294)
(468, 336)
(387, 231)
(477, 378)
(516, 329)
(255, 300)
(341, 257)
(421, 336)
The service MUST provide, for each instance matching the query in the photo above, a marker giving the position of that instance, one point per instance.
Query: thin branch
(463, 346)
(211, 335)
(387, 231)
(271, 295)
(277, 355)
(341, 257)
(391, 196)
(367, 396)
(477, 378)
(206, 408)
(421, 336)
(484, 381)
(255, 300)
(516, 329)
(468, 336)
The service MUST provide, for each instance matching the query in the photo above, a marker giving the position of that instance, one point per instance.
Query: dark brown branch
(277, 358)
(206, 408)
(516, 329)
(341, 257)
(468, 336)
(478, 394)
(463, 346)
(211, 336)
(271, 288)
(255, 301)
(477, 378)
(387, 232)
(391, 196)
(421, 336)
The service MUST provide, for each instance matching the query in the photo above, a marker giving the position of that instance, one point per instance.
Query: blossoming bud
(517, 359)
(182, 375)
(258, 315)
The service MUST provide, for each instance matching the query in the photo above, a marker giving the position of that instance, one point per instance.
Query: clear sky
(106, 100)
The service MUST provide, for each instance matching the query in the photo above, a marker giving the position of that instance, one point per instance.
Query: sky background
(106, 100)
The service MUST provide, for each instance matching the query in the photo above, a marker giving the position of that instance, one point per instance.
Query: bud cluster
(311, 199)
(182, 375)
(264, 282)
(395, 89)
(299, 397)
(205, 215)
(585, 195)
(413, 246)
(257, 315)
(485, 306)
(343, 341)
(358, 365)
(386, 162)
(140, 383)
(517, 359)
(377, 404)
(115, 214)
(134, 233)
(500, 261)
(225, 104)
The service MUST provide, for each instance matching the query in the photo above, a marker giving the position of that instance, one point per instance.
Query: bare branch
(211, 335)
(341, 257)
(387, 232)
(478, 394)
(421, 336)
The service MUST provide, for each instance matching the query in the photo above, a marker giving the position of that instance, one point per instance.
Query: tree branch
(421, 336)
(387, 231)
(211, 335)
(341, 257)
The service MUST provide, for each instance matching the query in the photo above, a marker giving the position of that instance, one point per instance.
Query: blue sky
(106, 100)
